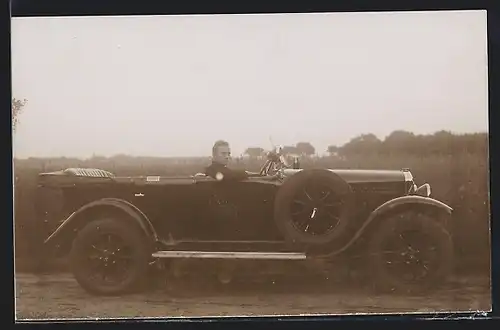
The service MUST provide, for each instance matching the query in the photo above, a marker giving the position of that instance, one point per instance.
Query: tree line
(399, 142)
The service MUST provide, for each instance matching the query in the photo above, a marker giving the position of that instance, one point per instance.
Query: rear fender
(97, 209)
(428, 205)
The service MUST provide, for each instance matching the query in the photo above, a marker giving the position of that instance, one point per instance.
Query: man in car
(221, 154)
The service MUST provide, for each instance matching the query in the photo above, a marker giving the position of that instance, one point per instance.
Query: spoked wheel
(313, 207)
(110, 257)
(410, 252)
(317, 208)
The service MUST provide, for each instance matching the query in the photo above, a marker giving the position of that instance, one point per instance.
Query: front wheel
(410, 252)
(110, 257)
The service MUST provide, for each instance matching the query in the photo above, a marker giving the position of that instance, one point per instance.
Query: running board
(230, 255)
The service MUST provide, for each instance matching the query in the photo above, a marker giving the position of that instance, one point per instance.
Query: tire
(133, 241)
(397, 228)
(295, 189)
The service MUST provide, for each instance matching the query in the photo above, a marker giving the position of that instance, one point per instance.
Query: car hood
(354, 176)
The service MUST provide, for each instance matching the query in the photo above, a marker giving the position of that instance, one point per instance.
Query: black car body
(201, 217)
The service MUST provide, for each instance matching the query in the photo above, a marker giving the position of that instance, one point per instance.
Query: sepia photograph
(177, 166)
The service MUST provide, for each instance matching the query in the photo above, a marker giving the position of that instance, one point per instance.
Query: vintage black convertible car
(115, 229)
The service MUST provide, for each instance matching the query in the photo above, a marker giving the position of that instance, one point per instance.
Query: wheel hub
(108, 256)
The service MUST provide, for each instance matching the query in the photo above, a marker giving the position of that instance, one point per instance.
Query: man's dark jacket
(228, 174)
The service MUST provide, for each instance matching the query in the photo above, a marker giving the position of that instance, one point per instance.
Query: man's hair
(217, 144)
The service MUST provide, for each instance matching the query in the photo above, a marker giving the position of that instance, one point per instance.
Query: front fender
(92, 210)
(394, 205)
(414, 200)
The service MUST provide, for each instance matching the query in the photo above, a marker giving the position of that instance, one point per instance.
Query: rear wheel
(110, 257)
(410, 252)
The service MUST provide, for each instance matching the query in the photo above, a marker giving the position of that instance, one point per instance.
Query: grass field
(460, 180)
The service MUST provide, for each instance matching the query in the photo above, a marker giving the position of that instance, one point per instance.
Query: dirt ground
(58, 296)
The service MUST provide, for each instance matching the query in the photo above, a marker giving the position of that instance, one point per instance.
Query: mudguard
(407, 200)
(77, 218)
(392, 205)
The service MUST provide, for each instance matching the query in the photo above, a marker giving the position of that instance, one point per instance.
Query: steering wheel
(274, 163)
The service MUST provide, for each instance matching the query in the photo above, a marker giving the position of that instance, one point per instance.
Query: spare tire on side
(313, 207)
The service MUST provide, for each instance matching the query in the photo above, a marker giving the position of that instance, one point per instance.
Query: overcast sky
(172, 85)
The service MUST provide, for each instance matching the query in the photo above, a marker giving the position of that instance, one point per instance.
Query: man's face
(222, 155)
